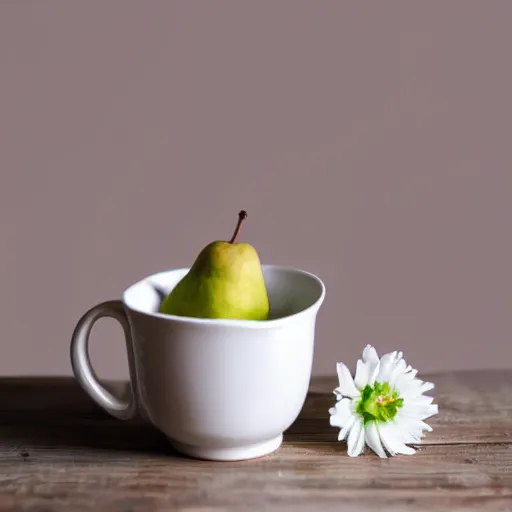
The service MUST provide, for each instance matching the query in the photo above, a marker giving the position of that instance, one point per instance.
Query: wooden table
(60, 452)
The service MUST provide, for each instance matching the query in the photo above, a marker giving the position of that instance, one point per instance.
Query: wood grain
(298, 477)
(58, 451)
(474, 407)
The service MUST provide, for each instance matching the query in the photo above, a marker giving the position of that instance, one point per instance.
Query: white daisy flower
(383, 406)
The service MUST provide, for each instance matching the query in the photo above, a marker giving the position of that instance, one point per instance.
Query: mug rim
(230, 322)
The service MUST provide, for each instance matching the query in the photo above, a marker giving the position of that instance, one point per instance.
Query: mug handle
(81, 362)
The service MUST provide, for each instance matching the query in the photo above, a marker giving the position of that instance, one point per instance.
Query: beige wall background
(370, 143)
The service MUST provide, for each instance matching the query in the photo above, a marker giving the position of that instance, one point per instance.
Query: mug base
(251, 451)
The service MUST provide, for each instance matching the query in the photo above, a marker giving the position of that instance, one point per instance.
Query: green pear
(225, 281)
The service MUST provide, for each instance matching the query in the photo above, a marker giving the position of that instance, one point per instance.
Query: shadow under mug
(219, 389)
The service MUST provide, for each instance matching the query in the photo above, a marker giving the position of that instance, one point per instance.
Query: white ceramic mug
(218, 389)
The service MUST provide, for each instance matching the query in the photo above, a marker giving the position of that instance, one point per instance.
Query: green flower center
(379, 403)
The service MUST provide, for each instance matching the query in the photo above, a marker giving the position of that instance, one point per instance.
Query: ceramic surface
(218, 389)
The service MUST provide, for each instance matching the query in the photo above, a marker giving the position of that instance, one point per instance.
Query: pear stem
(241, 218)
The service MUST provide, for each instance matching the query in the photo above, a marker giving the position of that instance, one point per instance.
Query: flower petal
(387, 366)
(420, 400)
(366, 366)
(412, 430)
(373, 376)
(373, 439)
(427, 386)
(347, 428)
(355, 441)
(392, 439)
(413, 388)
(399, 369)
(402, 380)
(420, 412)
(362, 375)
(385, 444)
(370, 356)
(347, 386)
(341, 413)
